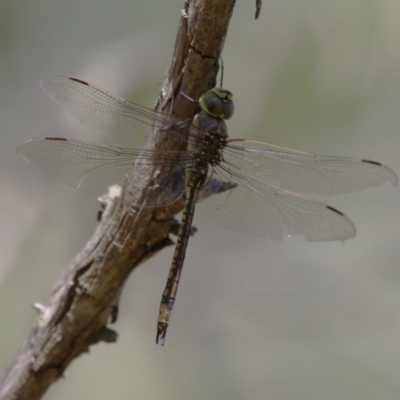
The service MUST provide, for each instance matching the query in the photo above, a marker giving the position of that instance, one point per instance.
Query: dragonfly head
(218, 103)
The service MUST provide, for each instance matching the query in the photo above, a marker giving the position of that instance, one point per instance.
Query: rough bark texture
(86, 296)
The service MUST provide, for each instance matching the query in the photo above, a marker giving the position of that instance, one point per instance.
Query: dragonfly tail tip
(161, 332)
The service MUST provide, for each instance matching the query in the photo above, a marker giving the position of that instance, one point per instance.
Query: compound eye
(218, 103)
(229, 108)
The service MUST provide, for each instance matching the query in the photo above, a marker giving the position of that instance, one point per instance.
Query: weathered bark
(86, 296)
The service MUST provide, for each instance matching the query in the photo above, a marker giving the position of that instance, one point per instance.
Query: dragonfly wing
(94, 168)
(305, 172)
(258, 208)
(126, 122)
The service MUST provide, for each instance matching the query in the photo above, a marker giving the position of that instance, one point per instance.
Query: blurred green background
(254, 318)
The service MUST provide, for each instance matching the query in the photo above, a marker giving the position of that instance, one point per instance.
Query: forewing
(126, 122)
(305, 172)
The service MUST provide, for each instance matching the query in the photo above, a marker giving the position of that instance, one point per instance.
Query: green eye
(218, 103)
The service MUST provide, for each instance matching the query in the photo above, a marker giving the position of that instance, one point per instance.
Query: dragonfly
(266, 184)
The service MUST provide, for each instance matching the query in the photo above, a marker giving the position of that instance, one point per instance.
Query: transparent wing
(126, 122)
(258, 208)
(305, 172)
(93, 168)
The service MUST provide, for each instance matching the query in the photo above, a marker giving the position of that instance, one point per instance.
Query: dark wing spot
(56, 138)
(334, 209)
(371, 162)
(79, 81)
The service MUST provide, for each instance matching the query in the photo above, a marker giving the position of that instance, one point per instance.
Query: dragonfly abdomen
(196, 177)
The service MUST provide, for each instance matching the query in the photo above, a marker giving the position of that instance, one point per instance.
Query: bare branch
(86, 296)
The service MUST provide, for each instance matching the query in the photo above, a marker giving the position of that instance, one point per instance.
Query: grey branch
(85, 299)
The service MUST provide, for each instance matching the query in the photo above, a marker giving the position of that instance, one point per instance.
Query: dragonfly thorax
(213, 145)
(208, 146)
